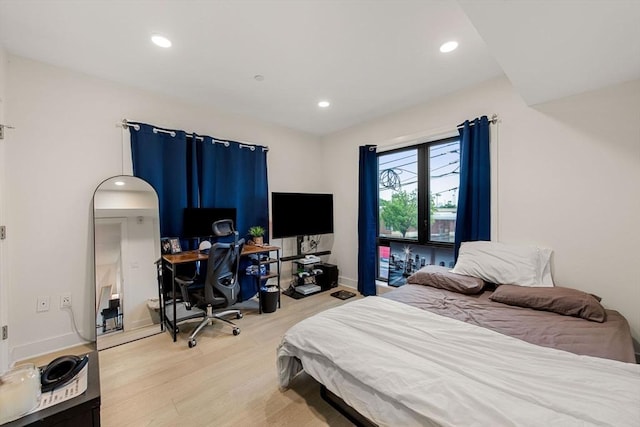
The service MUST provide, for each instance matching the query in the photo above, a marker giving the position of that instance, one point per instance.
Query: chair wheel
(192, 343)
(236, 331)
(239, 316)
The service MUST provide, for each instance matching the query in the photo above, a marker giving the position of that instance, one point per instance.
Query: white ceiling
(368, 57)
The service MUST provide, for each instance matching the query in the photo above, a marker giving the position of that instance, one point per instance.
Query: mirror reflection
(127, 245)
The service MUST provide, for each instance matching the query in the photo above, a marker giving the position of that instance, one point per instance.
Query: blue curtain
(367, 219)
(195, 171)
(233, 175)
(474, 197)
(162, 160)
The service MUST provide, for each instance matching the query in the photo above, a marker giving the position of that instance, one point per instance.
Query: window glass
(444, 181)
(398, 194)
(418, 202)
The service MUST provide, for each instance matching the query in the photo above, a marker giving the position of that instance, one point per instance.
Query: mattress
(397, 364)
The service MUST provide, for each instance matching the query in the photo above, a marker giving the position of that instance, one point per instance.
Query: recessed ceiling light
(119, 183)
(323, 104)
(448, 47)
(161, 40)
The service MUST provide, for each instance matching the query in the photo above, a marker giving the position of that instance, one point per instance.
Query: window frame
(424, 213)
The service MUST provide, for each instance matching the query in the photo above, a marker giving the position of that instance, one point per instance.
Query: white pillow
(505, 264)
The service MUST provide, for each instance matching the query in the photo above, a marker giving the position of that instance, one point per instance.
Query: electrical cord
(75, 327)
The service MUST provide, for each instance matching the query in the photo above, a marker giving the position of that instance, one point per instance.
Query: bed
(430, 355)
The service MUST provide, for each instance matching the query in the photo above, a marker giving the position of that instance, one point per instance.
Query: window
(418, 198)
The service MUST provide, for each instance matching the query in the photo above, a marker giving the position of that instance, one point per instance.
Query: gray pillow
(442, 278)
(566, 301)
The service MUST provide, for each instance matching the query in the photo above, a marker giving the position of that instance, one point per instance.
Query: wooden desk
(253, 250)
(185, 257)
(172, 261)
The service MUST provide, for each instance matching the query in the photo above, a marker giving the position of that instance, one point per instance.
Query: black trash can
(269, 299)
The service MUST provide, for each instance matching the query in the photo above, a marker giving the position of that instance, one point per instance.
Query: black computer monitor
(197, 222)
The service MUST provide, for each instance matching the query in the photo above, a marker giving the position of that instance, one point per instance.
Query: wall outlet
(65, 300)
(42, 304)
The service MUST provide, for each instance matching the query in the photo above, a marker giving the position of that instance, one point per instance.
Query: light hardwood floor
(122, 337)
(225, 380)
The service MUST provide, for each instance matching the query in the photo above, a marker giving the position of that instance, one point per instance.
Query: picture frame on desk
(170, 245)
(165, 246)
(175, 245)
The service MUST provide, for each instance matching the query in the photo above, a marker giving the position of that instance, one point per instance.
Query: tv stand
(312, 278)
(300, 256)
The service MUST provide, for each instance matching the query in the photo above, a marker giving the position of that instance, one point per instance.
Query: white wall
(65, 143)
(568, 174)
(4, 318)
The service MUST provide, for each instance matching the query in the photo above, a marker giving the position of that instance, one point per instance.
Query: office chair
(221, 284)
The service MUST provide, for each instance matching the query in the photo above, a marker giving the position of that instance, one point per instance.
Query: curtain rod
(425, 136)
(493, 120)
(125, 125)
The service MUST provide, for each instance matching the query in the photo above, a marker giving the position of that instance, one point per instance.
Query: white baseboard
(349, 283)
(382, 287)
(50, 345)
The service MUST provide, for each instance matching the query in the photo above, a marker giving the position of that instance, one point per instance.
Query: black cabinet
(329, 277)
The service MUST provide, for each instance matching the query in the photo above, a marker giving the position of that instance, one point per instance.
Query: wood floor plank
(225, 380)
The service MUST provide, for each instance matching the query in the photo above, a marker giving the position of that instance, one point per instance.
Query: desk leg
(160, 278)
(259, 293)
(173, 297)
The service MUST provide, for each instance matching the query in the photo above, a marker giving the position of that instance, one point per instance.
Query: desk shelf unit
(266, 251)
(168, 294)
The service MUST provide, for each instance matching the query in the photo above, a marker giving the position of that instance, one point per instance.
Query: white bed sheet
(399, 365)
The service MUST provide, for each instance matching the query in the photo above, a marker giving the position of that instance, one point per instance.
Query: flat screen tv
(196, 222)
(301, 214)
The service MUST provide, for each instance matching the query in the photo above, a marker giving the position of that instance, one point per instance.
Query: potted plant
(256, 232)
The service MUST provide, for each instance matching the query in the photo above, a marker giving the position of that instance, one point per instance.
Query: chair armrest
(183, 284)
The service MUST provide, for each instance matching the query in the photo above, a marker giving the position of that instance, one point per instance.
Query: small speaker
(329, 277)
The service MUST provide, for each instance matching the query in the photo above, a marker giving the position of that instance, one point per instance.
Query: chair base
(210, 318)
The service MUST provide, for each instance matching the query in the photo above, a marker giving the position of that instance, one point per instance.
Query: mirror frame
(132, 209)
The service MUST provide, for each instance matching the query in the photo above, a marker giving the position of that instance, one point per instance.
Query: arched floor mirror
(127, 245)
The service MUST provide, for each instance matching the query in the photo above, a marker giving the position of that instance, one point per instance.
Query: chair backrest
(223, 265)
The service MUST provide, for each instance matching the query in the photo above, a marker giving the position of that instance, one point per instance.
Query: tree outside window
(401, 212)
